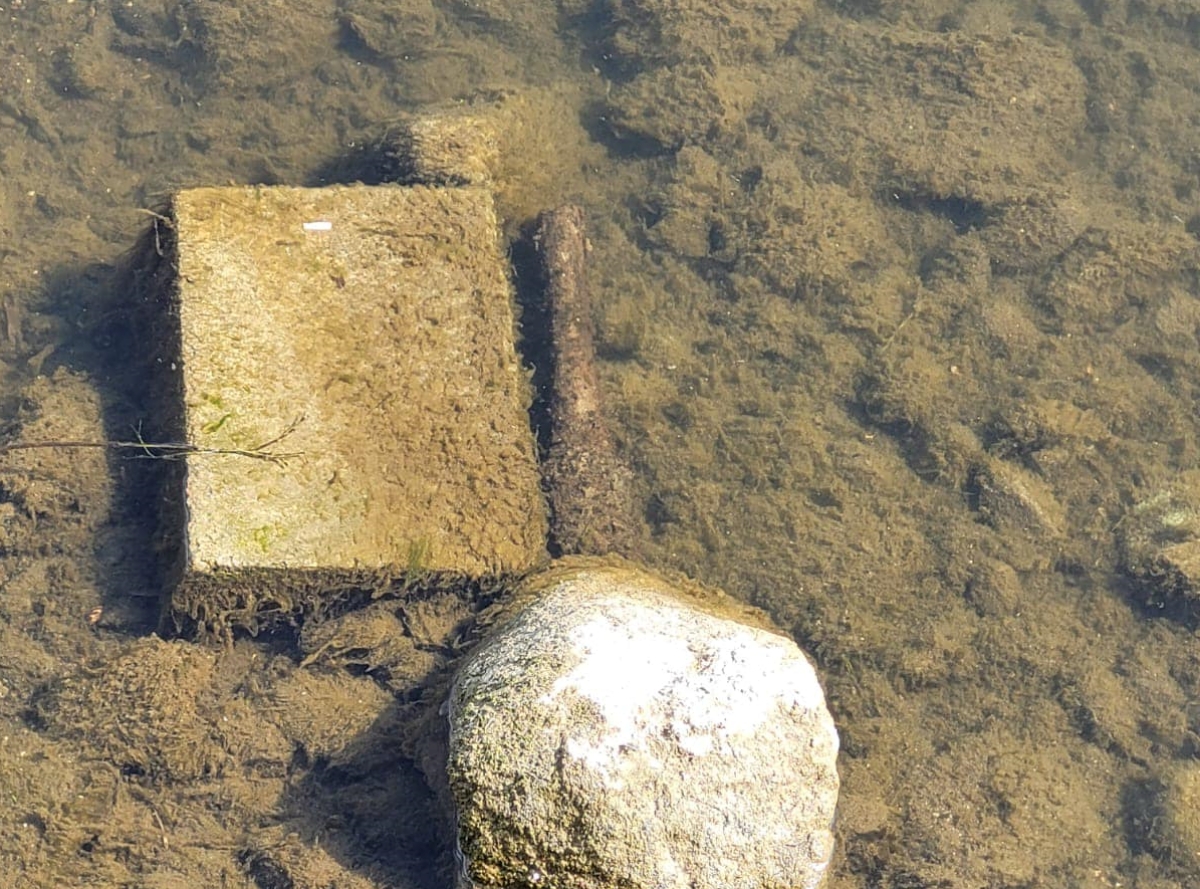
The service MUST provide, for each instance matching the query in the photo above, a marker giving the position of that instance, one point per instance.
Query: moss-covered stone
(371, 328)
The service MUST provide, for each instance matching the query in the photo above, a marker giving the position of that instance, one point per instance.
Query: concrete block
(381, 319)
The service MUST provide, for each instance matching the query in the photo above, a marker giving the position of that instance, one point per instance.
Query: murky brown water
(899, 313)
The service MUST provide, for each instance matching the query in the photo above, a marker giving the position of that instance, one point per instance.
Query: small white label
(320, 225)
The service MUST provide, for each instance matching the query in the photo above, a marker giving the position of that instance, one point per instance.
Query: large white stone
(616, 734)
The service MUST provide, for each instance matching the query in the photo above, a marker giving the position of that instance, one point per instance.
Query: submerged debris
(590, 488)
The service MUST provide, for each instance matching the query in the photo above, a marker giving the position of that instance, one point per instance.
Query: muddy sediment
(896, 308)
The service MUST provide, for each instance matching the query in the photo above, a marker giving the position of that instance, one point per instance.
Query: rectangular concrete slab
(374, 326)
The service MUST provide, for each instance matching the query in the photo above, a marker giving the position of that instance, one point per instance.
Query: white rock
(614, 734)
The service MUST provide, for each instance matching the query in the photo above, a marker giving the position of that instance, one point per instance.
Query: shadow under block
(378, 320)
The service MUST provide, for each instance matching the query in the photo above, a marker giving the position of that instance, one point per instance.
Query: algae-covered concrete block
(379, 321)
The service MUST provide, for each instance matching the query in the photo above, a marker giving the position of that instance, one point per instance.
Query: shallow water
(897, 307)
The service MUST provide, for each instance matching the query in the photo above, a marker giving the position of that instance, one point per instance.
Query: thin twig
(169, 450)
(166, 221)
